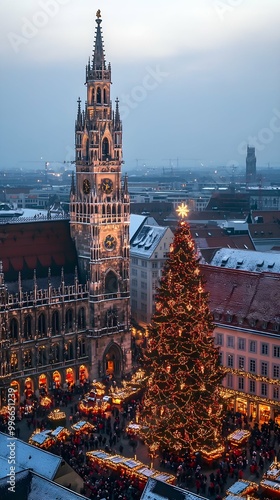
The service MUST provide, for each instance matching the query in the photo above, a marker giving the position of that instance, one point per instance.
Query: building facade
(148, 252)
(99, 219)
(64, 288)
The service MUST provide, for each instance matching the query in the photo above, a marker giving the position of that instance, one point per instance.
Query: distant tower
(100, 209)
(251, 162)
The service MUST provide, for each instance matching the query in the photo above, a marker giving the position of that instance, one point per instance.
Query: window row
(41, 326)
(42, 355)
(251, 345)
(253, 387)
(262, 368)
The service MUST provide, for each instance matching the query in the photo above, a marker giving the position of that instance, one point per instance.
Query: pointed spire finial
(98, 62)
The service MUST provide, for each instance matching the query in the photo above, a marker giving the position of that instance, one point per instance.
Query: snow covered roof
(35, 486)
(136, 221)
(146, 241)
(27, 457)
(158, 490)
(248, 260)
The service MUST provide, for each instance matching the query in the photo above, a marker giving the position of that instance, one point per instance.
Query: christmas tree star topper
(182, 210)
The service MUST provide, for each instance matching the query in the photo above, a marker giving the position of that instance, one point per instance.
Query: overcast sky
(197, 79)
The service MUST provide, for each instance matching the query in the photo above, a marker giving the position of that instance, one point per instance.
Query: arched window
(105, 148)
(14, 328)
(111, 283)
(27, 327)
(70, 351)
(14, 362)
(98, 95)
(81, 319)
(55, 323)
(92, 96)
(41, 325)
(69, 320)
(104, 97)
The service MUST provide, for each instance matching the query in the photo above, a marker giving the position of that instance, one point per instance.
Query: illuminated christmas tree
(182, 407)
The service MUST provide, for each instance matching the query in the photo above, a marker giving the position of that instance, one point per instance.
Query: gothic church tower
(99, 207)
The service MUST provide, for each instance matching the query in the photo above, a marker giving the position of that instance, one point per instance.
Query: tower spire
(98, 62)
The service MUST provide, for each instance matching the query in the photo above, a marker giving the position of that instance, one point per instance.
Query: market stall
(270, 483)
(90, 404)
(239, 437)
(45, 402)
(83, 427)
(60, 433)
(42, 439)
(57, 418)
(135, 429)
(127, 466)
(242, 489)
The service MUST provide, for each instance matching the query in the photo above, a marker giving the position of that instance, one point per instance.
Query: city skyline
(195, 83)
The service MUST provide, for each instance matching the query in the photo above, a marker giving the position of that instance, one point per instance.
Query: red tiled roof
(36, 244)
(243, 294)
(265, 230)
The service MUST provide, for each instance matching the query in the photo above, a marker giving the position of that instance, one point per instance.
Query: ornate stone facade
(99, 206)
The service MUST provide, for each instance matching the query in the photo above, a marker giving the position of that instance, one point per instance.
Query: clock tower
(99, 208)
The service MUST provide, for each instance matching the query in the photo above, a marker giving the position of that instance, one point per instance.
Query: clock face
(110, 242)
(86, 186)
(106, 186)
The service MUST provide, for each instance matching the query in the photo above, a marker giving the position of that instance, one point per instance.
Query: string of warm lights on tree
(182, 407)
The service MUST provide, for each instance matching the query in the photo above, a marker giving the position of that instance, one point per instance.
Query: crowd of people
(109, 433)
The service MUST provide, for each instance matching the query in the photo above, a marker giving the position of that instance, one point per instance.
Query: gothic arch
(55, 323)
(14, 328)
(112, 360)
(27, 327)
(98, 95)
(111, 282)
(105, 148)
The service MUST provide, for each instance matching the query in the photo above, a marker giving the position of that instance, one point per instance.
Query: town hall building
(64, 288)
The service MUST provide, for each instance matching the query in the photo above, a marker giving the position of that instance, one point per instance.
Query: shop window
(55, 323)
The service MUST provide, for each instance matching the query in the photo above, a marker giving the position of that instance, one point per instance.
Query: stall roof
(28, 457)
(157, 490)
